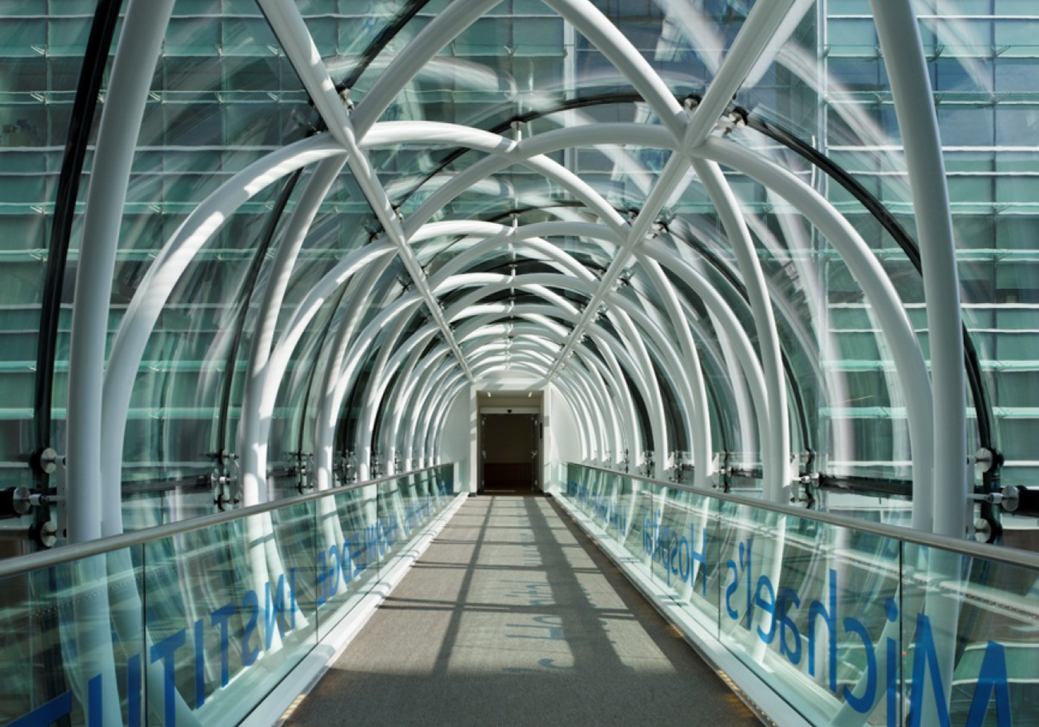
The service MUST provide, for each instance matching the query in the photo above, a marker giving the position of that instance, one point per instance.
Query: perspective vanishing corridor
(334, 334)
(512, 615)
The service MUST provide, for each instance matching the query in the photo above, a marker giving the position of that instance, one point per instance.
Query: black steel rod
(92, 73)
(388, 33)
(248, 284)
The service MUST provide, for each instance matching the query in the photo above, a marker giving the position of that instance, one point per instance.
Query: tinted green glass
(348, 553)
(230, 610)
(847, 626)
(75, 648)
(968, 634)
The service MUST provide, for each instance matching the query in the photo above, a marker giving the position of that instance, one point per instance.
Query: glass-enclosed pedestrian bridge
(305, 303)
(404, 600)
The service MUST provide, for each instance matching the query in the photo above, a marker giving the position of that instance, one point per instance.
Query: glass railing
(196, 622)
(851, 623)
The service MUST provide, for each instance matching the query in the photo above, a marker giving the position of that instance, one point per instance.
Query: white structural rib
(328, 415)
(88, 515)
(903, 54)
(93, 507)
(754, 36)
(252, 447)
(151, 295)
(299, 46)
(743, 247)
(863, 265)
(444, 28)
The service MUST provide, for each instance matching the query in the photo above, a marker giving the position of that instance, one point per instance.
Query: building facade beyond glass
(258, 249)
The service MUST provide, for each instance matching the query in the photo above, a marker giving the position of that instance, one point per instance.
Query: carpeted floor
(513, 617)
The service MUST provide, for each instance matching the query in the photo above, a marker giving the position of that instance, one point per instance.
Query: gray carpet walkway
(513, 617)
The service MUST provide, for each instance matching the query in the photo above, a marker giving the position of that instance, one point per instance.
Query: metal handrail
(1015, 557)
(58, 556)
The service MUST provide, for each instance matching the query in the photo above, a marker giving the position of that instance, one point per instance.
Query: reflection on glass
(74, 644)
(220, 599)
(197, 629)
(849, 627)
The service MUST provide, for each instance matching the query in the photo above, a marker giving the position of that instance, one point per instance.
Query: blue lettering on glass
(200, 663)
(993, 678)
(279, 612)
(787, 596)
(925, 659)
(322, 574)
(673, 551)
(221, 618)
(276, 615)
(133, 690)
(829, 616)
(163, 651)
(45, 714)
(94, 711)
(602, 507)
(676, 554)
(733, 613)
(252, 603)
(864, 703)
(768, 606)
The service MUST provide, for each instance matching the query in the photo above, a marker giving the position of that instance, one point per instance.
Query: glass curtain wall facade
(337, 216)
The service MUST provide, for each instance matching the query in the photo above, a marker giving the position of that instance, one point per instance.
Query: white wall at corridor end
(562, 443)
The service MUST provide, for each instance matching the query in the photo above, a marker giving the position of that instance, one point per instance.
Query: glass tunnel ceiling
(695, 220)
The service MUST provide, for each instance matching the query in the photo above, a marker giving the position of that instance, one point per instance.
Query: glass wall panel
(74, 648)
(847, 625)
(220, 599)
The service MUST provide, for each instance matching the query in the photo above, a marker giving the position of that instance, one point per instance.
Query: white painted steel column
(294, 329)
(445, 27)
(446, 376)
(879, 291)
(607, 346)
(903, 54)
(592, 408)
(398, 400)
(361, 347)
(292, 32)
(737, 336)
(90, 511)
(700, 431)
(633, 340)
(389, 389)
(654, 136)
(357, 297)
(753, 37)
(546, 338)
(151, 295)
(450, 375)
(410, 398)
(89, 515)
(727, 207)
(365, 435)
(271, 298)
(610, 370)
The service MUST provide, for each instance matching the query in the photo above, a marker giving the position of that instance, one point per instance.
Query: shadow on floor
(513, 617)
